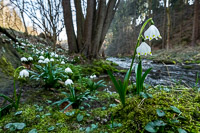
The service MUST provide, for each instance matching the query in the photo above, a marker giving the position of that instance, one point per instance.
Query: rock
(9, 61)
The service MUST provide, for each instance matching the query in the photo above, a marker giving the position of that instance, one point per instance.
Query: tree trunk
(91, 31)
(164, 26)
(88, 29)
(195, 22)
(168, 27)
(80, 23)
(67, 12)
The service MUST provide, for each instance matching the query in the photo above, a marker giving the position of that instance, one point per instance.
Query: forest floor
(185, 55)
(168, 108)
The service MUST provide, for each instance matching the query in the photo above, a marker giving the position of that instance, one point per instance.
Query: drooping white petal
(51, 59)
(23, 73)
(47, 60)
(93, 76)
(30, 58)
(62, 62)
(68, 70)
(24, 59)
(41, 57)
(69, 82)
(151, 33)
(143, 49)
(40, 61)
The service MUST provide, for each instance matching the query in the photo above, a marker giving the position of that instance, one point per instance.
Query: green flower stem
(14, 76)
(138, 43)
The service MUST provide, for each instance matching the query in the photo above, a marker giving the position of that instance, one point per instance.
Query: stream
(162, 74)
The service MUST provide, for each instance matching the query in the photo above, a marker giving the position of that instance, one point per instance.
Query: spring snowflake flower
(52, 54)
(24, 73)
(40, 61)
(151, 33)
(62, 62)
(24, 59)
(23, 44)
(30, 58)
(41, 57)
(56, 55)
(143, 49)
(42, 52)
(51, 59)
(93, 76)
(68, 70)
(69, 82)
(46, 60)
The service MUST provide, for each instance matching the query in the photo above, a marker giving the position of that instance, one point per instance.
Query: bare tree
(45, 14)
(91, 29)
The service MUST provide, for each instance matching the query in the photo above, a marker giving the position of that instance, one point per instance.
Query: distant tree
(45, 14)
(195, 22)
(91, 29)
(168, 24)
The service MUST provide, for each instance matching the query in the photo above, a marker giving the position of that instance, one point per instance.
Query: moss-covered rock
(9, 60)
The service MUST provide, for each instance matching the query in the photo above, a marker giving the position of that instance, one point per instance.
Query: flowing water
(162, 74)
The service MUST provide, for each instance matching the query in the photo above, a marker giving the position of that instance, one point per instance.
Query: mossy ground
(176, 55)
(103, 109)
(133, 117)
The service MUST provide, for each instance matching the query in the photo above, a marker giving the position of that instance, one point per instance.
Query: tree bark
(195, 22)
(72, 42)
(88, 29)
(91, 31)
(164, 26)
(80, 23)
(168, 27)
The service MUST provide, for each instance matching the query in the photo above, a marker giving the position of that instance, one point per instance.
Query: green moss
(98, 67)
(135, 116)
(6, 66)
(39, 119)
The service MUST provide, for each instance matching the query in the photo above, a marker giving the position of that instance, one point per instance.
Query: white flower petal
(23, 73)
(143, 49)
(151, 33)
(69, 82)
(68, 70)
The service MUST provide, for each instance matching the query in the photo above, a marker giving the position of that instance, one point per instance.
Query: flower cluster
(93, 76)
(151, 33)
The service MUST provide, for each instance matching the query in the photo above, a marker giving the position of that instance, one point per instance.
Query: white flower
(40, 61)
(56, 55)
(68, 70)
(30, 58)
(23, 73)
(93, 76)
(23, 44)
(62, 62)
(42, 52)
(143, 49)
(69, 82)
(24, 59)
(52, 59)
(151, 33)
(46, 60)
(52, 54)
(41, 57)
